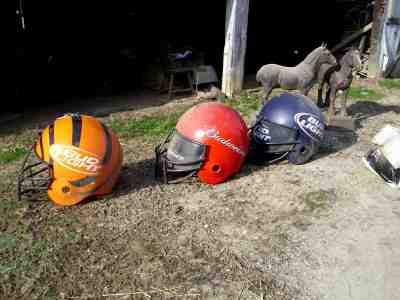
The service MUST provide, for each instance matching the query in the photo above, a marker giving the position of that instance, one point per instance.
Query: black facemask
(383, 167)
(35, 175)
(178, 156)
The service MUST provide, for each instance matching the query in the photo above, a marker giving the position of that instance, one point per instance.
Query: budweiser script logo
(311, 125)
(75, 159)
(214, 134)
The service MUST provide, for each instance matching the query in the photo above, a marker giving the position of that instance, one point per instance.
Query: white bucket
(391, 150)
(385, 134)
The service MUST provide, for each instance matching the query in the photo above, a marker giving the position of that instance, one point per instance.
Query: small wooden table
(185, 71)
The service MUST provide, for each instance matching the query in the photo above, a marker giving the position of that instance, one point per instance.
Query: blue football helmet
(289, 125)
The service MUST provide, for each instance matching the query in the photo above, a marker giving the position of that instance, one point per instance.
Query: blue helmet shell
(290, 123)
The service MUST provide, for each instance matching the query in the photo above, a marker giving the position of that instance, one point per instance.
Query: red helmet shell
(224, 131)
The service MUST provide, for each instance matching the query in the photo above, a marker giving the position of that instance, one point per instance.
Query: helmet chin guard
(178, 158)
(384, 159)
(35, 175)
(380, 165)
(302, 153)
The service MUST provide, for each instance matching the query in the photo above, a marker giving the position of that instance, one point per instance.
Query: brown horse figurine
(301, 77)
(338, 78)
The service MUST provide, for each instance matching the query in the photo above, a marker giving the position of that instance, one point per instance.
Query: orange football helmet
(76, 156)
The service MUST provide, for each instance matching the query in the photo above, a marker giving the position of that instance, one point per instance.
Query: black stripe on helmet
(83, 181)
(107, 154)
(51, 141)
(76, 129)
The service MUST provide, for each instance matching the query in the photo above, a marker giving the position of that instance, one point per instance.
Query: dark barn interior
(89, 48)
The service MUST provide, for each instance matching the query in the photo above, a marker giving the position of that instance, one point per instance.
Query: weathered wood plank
(374, 70)
(235, 46)
(352, 37)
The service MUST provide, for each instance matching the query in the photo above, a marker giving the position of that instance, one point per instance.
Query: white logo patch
(262, 134)
(75, 159)
(310, 125)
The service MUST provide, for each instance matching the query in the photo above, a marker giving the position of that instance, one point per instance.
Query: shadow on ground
(335, 140)
(363, 110)
(136, 176)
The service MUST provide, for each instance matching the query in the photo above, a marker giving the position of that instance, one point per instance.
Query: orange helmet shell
(84, 155)
(224, 131)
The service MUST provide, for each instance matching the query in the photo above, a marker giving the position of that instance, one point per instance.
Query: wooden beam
(235, 46)
(352, 37)
(374, 69)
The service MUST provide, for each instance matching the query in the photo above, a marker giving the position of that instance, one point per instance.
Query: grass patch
(9, 155)
(160, 124)
(33, 254)
(361, 93)
(390, 83)
(156, 125)
(318, 201)
(246, 103)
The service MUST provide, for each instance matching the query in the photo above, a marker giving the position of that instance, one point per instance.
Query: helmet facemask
(178, 157)
(271, 139)
(302, 152)
(380, 165)
(384, 159)
(35, 175)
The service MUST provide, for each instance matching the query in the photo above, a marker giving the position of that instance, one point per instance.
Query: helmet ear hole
(216, 168)
(65, 189)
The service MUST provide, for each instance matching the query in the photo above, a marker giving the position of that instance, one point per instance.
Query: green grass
(8, 155)
(390, 83)
(317, 201)
(360, 93)
(245, 103)
(156, 125)
(159, 124)
(33, 255)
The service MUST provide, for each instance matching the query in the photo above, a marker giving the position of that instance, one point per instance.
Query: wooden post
(352, 37)
(235, 46)
(374, 69)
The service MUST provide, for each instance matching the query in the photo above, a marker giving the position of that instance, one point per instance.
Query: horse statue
(338, 78)
(301, 77)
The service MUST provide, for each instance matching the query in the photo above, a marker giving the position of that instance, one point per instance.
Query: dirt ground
(329, 229)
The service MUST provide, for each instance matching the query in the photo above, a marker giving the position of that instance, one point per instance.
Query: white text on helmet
(311, 125)
(262, 134)
(214, 134)
(75, 159)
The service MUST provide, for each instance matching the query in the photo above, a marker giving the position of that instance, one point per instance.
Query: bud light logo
(75, 159)
(262, 134)
(310, 125)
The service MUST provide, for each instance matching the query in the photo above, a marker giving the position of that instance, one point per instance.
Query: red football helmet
(210, 140)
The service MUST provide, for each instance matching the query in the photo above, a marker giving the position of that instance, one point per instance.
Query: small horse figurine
(301, 77)
(338, 78)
